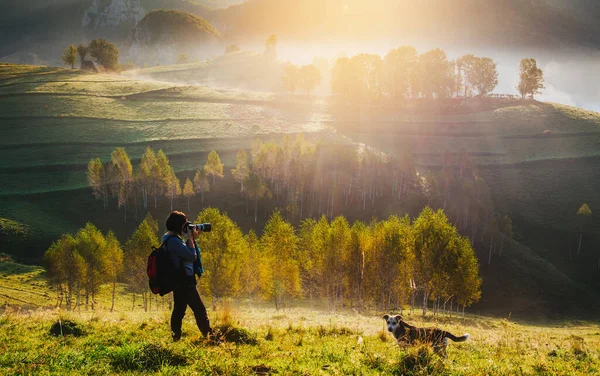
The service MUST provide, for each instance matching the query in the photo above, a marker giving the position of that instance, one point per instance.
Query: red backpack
(163, 275)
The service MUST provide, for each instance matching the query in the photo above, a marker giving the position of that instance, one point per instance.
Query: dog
(408, 334)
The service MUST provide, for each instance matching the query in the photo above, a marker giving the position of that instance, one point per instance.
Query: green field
(301, 339)
(539, 159)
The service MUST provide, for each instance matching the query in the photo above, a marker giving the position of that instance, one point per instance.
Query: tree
(436, 78)
(271, 47)
(531, 78)
(201, 183)
(66, 267)
(256, 190)
(465, 282)
(82, 51)
(135, 257)
(70, 56)
(465, 65)
(188, 191)
(310, 77)
(213, 166)
(310, 258)
(143, 175)
(251, 263)
(183, 58)
(221, 250)
(173, 187)
(280, 278)
(290, 77)
(584, 213)
(105, 53)
(114, 263)
(123, 171)
(399, 65)
(241, 171)
(483, 75)
(91, 245)
(359, 246)
(432, 234)
(161, 175)
(97, 180)
(395, 261)
(340, 85)
(334, 243)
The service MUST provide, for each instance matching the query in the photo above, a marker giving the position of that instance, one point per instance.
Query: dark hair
(176, 221)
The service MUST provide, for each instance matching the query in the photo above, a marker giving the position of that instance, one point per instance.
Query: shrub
(419, 361)
(66, 328)
(148, 357)
(236, 335)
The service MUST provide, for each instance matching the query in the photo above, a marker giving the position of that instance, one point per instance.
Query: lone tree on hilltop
(531, 78)
(70, 56)
(105, 53)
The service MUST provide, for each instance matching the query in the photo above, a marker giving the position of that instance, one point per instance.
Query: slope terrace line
(528, 164)
(123, 120)
(65, 82)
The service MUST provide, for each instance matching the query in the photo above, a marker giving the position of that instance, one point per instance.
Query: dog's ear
(385, 317)
(399, 318)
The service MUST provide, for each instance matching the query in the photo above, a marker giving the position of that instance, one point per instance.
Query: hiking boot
(176, 336)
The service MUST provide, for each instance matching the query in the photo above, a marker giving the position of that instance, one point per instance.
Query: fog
(571, 76)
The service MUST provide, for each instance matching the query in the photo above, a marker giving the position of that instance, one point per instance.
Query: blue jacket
(189, 258)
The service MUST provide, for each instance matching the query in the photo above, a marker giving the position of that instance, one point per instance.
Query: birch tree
(96, 175)
(242, 170)
(213, 166)
(188, 191)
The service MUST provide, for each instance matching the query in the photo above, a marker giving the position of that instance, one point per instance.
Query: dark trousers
(187, 295)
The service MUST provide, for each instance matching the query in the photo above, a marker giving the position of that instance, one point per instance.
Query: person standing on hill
(187, 255)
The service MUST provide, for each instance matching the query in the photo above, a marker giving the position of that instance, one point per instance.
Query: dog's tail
(457, 339)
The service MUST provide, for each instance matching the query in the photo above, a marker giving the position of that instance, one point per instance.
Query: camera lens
(205, 227)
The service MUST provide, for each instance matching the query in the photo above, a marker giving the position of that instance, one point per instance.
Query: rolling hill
(163, 34)
(539, 160)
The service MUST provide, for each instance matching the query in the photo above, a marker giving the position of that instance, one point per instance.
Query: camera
(202, 227)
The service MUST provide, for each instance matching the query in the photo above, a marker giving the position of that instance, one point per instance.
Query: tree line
(307, 179)
(152, 179)
(102, 51)
(385, 264)
(404, 73)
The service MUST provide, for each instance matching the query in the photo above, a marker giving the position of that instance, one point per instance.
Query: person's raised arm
(183, 250)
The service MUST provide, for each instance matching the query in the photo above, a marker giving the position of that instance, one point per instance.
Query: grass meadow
(304, 339)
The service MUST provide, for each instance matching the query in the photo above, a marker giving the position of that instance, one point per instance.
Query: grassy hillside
(241, 70)
(538, 159)
(257, 339)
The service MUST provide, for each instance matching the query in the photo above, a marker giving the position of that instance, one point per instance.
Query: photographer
(186, 254)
